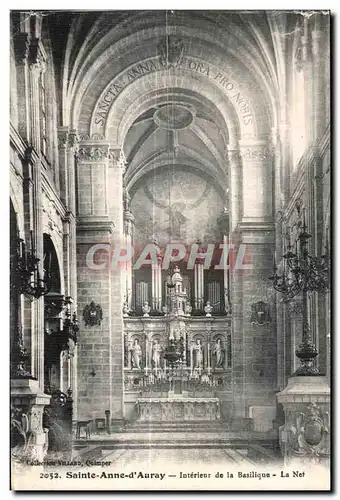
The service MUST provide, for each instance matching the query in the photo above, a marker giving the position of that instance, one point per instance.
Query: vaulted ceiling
(176, 116)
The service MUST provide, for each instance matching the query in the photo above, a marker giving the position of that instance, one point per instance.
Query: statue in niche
(219, 353)
(156, 354)
(198, 352)
(136, 354)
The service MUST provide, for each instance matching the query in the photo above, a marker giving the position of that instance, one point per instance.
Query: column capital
(62, 137)
(93, 151)
(233, 152)
(255, 149)
(117, 158)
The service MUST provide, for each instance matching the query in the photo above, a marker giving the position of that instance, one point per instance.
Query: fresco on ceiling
(176, 205)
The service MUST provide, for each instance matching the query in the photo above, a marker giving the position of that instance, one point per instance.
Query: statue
(126, 310)
(219, 352)
(156, 354)
(136, 354)
(198, 349)
(146, 309)
(188, 309)
(208, 309)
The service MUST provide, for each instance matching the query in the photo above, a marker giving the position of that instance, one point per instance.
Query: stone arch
(230, 50)
(134, 100)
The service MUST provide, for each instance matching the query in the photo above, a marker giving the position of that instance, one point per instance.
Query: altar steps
(168, 426)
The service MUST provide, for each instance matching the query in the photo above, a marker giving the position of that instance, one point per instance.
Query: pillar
(128, 238)
(254, 346)
(94, 281)
(67, 146)
(116, 170)
(235, 175)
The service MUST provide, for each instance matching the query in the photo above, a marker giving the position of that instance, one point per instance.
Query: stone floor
(190, 459)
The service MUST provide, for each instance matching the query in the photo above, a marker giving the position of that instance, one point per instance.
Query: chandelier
(302, 273)
(25, 273)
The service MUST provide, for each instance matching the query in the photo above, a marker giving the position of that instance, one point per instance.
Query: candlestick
(304, 220)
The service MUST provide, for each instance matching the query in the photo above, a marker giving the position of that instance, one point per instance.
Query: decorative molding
(260, 313)
(117, 158)
(92, 154)
(255, 152)
(62, 139)
(92, 314)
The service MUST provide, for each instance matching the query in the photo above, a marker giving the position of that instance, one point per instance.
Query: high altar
(176, 368)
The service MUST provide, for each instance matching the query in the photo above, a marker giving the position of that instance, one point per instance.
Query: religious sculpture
(136, 354)
(208, 309)
(126, 310)
(219, 353)
(146, 309)
(188, 309)
(198, 350)
(156, 354)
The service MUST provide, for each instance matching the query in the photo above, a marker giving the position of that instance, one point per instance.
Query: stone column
(235, 175)
(94, 227)
(257, 181)
(67, 145)
(117, 163)
(63, 167)
(318, 77)
(254, 345)
(21, 47)
(128, 239)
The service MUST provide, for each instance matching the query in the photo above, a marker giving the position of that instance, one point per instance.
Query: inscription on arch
(242, 105)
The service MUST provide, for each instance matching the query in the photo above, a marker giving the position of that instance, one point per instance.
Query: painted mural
(176, 205)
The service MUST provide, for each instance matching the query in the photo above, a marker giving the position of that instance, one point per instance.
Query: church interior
(170, 235)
